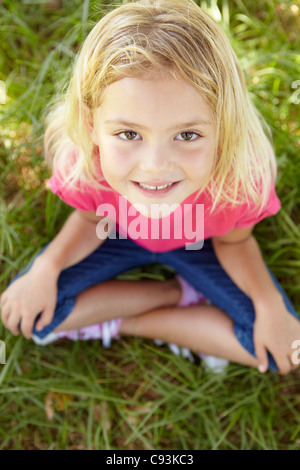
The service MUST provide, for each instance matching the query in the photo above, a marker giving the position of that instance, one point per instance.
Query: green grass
(136, 395)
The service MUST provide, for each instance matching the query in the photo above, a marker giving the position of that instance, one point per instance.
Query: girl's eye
(188, 136)
(129, 135)
(183, 136)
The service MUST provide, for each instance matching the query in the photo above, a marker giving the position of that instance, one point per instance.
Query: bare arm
(76, 240)
(240, 256)
(275, 328)
(36, 291)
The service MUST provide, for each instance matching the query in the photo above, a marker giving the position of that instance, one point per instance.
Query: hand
(275, 330)
(33, 293)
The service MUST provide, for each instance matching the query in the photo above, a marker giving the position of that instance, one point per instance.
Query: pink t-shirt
(187, 226)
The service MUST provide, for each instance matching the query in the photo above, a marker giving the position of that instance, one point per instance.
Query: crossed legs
(149, 310)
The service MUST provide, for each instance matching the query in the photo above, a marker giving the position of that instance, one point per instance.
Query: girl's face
(156, 140)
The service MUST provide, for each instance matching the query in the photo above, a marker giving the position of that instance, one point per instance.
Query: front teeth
(155, 188)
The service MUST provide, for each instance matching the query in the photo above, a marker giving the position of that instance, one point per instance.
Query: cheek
(115, 162)
(199, 161)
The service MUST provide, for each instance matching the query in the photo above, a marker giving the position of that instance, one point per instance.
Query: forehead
(155, 98)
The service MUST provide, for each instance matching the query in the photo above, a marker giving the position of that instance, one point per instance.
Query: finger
(282, 360)
(5, 312)
(284, 366)
(294, 362)
(3, 299)
(45, 319)
(5, 308)
(262, 358)
(27, 324)
(13, 320)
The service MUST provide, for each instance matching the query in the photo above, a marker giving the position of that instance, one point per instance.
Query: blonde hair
(179, 38)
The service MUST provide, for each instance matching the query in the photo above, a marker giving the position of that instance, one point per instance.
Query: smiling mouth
(160, 189)
(155, 188)
(159, 186)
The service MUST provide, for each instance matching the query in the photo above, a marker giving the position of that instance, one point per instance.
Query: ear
(89, 123)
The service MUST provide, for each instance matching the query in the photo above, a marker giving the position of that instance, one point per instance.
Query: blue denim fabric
(199, 267)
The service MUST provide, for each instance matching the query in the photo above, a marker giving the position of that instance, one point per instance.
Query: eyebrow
(181, 125)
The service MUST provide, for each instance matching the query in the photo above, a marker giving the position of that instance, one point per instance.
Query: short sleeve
(84, 201)
(249, 217)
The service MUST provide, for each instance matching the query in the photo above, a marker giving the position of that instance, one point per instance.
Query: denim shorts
(200, 268)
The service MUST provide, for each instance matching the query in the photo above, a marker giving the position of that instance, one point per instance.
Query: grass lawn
(136, 395)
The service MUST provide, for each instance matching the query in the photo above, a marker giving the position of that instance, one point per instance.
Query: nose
(156, 160)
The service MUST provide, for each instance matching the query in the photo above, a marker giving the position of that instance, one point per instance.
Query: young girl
(158, 147)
